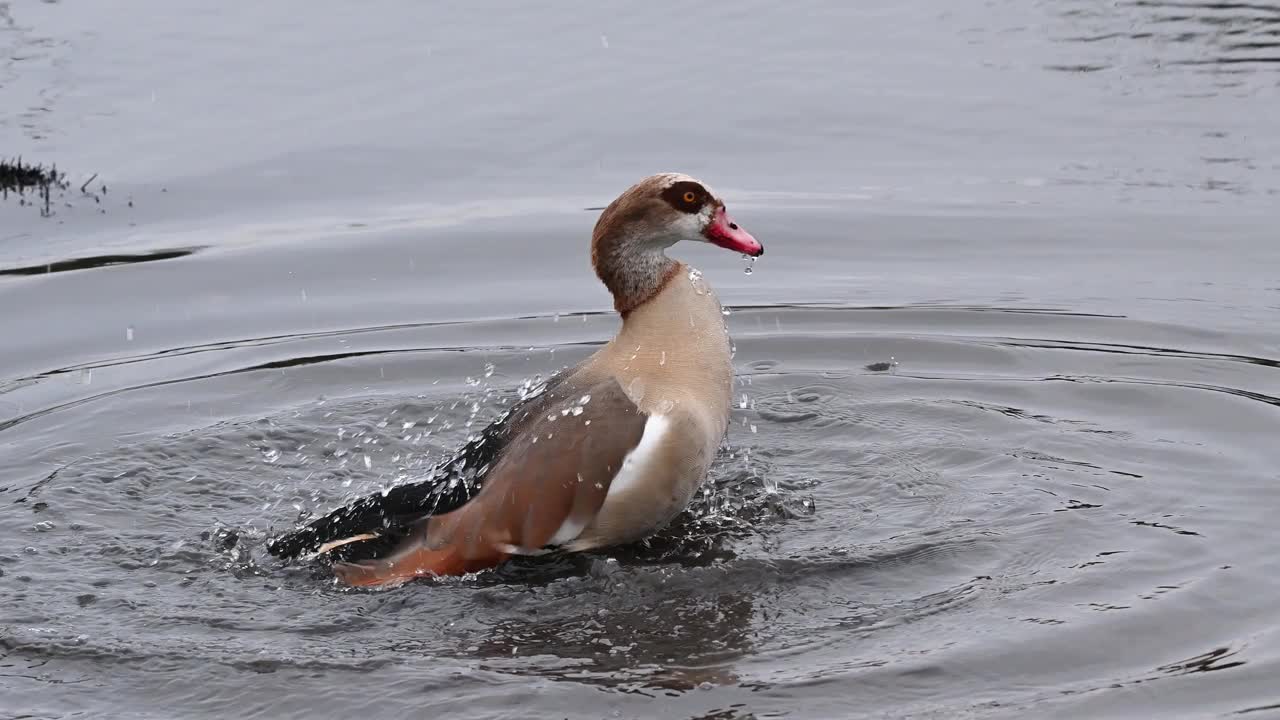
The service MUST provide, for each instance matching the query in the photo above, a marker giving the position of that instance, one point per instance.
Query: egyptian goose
(607, 452)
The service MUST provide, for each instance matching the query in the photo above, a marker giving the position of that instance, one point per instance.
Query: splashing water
(695, 278)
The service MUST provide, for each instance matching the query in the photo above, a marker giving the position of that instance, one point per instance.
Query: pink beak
(723, 231)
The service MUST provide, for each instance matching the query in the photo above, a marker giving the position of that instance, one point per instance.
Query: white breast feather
(639, 462)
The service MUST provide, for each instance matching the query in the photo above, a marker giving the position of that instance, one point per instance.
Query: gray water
(1009, 374)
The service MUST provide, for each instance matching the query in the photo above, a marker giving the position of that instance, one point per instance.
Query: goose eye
(684, 196)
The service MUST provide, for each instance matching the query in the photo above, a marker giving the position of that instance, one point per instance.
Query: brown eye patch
(686, 196)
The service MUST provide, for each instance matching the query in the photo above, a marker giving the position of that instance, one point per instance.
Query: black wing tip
(337, 524)
(385, 513)
(290, 545)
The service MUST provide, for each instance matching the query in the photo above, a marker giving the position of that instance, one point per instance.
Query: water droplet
(367, 462)
(695, 278)
(743, 403)
(635, 389)
(488, 369)
(128, 333)
(663, 359)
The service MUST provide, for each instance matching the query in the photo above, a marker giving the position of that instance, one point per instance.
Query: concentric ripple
(903, 490)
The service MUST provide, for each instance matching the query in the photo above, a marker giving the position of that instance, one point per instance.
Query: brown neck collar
(633, 271)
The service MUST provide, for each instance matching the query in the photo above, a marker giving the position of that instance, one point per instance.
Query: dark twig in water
(19, 177)
(84, 187)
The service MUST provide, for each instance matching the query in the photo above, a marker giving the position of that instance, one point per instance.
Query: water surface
(1009, 374)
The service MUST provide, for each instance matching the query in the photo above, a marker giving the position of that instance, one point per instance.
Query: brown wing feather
(556, 470)
(559, 470)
